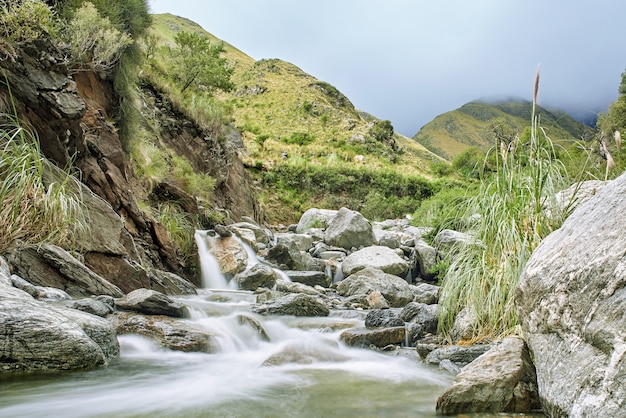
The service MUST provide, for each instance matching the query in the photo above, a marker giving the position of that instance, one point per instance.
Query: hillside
(474, 124)
(282, 110)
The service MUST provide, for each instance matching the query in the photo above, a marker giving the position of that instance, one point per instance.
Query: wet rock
(231, 256)
(169, 333)
(151, 302)
(295, 287)
(426, 259)
(92, 306)
(382, 258)
(303, 242)
(378, 337)
(255, 324)
(306, 353)
(501, 380)
(309, 278)
(259, 275)
(382, 318)
(296, 304)
(38, 337)
(376, 300)
(459, 355)
(423, 319)
(426, 293)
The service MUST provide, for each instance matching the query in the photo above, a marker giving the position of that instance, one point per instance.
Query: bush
(93, 42)
(23, 20)
(299, 138)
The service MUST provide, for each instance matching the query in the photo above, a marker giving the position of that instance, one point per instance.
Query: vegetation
(517, 209)
(35, 209)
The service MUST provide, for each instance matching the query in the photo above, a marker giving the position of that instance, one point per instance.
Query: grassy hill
(477, 123)
(293, 124)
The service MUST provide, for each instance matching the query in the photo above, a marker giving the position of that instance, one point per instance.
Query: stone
(151, 302)
(423, 319)
(315, 218)
(378, 337)
(376, 300)
(309, 278)
(426, 259)
(382, 318)
(426, 293)
(460, 355)
(501, 380)
(396, 291)
(303, 241)
(52, 266)
(259, 275)
(571, 301)
(92, 306)
(174, 334)
(296, 304)
(382, 258)
(349, 229)
(38, 337)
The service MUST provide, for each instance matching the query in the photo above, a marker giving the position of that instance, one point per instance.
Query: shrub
(299, 138)
(180, 228)
(23, 20)
(93, 42)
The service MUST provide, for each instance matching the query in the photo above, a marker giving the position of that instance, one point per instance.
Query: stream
(266, 366)
(302, 371)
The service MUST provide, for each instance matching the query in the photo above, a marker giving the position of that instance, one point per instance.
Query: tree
(199, 63)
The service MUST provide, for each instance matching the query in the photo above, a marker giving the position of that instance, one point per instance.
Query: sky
(408, 61)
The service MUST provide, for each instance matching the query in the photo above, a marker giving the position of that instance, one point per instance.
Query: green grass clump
(518, 209)
(34, 208)
(180, 228)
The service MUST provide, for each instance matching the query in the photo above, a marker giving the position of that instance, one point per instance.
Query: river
(302, 371)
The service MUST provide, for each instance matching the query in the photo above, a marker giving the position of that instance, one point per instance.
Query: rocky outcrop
(37, 337)
(501, 380)
(571, 301)
(49, 265)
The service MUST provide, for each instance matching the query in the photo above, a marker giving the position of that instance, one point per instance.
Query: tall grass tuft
(518, 209)
(35, 209)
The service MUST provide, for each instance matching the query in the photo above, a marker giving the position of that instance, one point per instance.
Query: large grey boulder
(151, 302)
(395, 290)
(296, 304)
(230, 254)
(314, 219)
(571, 301)
(37, 337)
(349, 229)
(375, 256)
(51, 266)
(501, 380)
(256, 276)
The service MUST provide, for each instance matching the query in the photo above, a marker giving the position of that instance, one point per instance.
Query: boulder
(571, 301)
(395, 290)
(382, 318)
(349, 229)
(52, 266)
(37, 337)
(378, 337)
(426, 293)
(230, 254)
(296, 304)
(501, 380)
(309, 278)
(376, 300)
(459, 355)
(422, 319)
(303, 241)
(169, 333)
(382, 258)
(151, 302)
(314, 219)
(287, 256)
(92, 306)
(449, 242)
(259, 275)
(425, 258)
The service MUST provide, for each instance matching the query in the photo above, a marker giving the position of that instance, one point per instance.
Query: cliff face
(72, 114)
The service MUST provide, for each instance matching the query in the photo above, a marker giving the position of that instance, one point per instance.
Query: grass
(517, 207)
(35, 209)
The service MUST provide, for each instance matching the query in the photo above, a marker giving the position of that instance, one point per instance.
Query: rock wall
(571, 301)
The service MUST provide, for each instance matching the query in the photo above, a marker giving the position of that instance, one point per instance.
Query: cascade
(212, 276)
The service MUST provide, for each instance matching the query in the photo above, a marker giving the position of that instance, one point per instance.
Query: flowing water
(266, 367)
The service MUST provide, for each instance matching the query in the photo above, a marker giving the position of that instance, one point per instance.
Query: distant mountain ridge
(452, 132)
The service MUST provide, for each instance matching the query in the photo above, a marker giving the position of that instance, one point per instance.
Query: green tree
(199, 63)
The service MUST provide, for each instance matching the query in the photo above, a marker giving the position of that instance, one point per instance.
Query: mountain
(473, 124)
(283, 111)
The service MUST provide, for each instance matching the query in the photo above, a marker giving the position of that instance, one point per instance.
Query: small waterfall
(338, 273)
(212, 276)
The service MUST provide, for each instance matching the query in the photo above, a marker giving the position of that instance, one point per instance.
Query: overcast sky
(410, 60)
